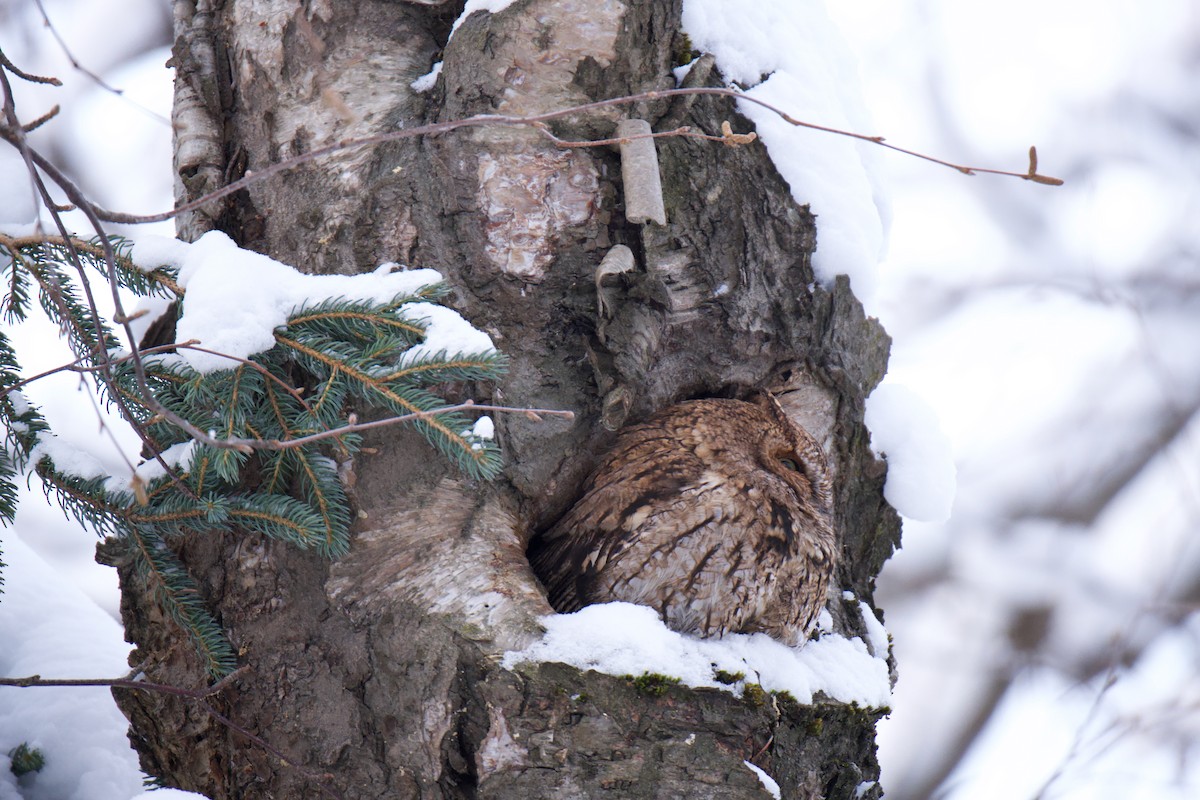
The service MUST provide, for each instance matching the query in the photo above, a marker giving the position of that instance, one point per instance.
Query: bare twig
(25, 76)
(13, 132)
(75, 63)
(42, 120)
(71, 56)
(128, 683)
(355, 427)
(538, 122)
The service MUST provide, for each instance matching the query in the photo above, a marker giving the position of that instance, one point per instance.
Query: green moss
(26, 759)
(683, 52)
(815, 726)
(652, 684)
(728, 678)
(786, 698)
(754, 694)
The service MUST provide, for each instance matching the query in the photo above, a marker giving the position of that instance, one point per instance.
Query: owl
(716, 513)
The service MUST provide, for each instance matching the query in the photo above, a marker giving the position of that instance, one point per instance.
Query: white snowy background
(1047, 632)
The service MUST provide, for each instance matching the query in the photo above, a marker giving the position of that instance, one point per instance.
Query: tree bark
(378, 676)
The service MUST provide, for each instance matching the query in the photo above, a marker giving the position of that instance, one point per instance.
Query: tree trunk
(378, 675)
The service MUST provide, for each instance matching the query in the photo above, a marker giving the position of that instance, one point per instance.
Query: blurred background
(1047, 635)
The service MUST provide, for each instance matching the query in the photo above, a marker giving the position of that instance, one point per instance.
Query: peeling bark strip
(617, 261)
(639, 173)
(379, 676)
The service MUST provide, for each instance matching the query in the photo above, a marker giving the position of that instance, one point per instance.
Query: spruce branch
(177, 593)
(321, 523)
(258, 462)
(362, 321)
(88, 501)
(161, 282)
(12, 131)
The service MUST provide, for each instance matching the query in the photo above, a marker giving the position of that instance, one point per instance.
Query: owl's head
(789, 452)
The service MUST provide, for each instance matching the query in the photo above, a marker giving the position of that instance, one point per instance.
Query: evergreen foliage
(24, 759)
(331, 357)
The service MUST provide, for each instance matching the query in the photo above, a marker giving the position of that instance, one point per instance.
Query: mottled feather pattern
(716, 513)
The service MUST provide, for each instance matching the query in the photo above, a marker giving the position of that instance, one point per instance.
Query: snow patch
(446, 332)
(237, 298)
(67, 458)
(484, 428)
(793, 57)
(681, 73)
(176, 456)
(877, 635)
(921, 476)
(20, 403)
(491, 6)
(627, 639)
(50, 628)
(428, 80)
(768, 782)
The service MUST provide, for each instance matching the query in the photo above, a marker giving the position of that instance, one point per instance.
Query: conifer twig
(12, 131)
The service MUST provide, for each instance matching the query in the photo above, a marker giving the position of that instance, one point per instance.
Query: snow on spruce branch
(236, 298)
(289, 358)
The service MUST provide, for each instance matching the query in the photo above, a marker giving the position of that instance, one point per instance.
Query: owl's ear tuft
(767, 402)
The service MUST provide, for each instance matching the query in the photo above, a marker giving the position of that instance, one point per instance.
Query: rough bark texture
(377, 676)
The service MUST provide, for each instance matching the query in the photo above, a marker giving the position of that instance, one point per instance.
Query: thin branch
(42, 120)
(71, 56)
(684, 131)
(538, 121)
(14, 133)
(127, 683)
(75, 63)
(354, 427)
(76, 366)
(727, 137)
(25, 76)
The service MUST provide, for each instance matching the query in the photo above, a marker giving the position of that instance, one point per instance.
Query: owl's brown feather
(717, 513)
